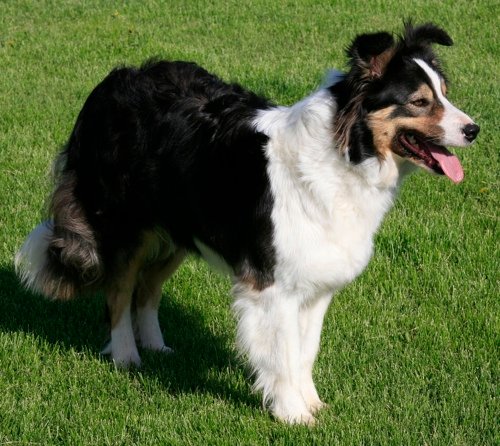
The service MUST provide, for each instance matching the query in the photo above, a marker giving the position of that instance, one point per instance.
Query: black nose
(470, 131)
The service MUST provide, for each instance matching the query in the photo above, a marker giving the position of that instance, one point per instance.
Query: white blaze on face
(454, 120)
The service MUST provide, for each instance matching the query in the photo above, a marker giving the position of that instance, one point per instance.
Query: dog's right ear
(371, 53)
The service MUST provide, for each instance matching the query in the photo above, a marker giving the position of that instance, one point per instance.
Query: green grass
(409, 351)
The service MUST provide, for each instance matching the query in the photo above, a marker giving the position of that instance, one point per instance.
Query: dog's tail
(60, 258)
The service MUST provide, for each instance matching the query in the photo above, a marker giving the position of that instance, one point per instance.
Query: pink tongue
(448, 162)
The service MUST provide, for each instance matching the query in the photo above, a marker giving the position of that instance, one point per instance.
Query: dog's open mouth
(435, 157)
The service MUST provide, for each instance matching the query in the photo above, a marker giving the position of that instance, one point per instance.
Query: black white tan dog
(167, 159)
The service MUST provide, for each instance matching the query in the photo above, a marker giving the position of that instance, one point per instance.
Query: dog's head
(393, 102)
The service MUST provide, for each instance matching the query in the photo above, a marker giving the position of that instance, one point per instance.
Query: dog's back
(165, 146)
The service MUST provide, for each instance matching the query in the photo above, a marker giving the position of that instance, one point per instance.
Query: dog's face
(411, 116)
(403, 100)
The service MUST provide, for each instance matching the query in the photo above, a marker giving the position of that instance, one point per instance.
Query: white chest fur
(321, 250)
(326, 210)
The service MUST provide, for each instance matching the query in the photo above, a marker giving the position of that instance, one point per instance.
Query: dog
(167, 159)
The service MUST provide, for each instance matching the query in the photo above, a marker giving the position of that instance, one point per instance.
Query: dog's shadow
(198, 364)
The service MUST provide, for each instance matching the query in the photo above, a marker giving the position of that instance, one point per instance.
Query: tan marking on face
(423, 92)
(425, 121)
(383, 129)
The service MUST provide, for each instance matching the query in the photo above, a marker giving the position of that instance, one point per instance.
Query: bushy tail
(60, 257)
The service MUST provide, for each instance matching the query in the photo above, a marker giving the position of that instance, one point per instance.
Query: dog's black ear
(370, 53)
(425, 35)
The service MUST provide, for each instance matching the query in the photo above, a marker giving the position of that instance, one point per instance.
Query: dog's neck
(303, 155)
(302, 138)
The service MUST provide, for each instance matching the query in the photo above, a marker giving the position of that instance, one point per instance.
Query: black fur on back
(169, 145)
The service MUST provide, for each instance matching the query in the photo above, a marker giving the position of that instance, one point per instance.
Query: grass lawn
(409, 351)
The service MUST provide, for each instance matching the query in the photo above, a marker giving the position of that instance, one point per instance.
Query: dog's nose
(470, 131)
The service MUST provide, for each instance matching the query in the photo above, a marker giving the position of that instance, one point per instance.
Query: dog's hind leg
(148, 296)
(311, 323)
(122, 347)
(119, 295)
(269, 334)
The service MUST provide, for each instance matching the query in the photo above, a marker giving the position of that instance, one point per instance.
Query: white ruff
(326, 211)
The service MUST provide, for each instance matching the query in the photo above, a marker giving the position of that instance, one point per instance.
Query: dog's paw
(291, 408)
(157, 347)
(317, 406)
(122, 359)
(314, 404)
(106, 350)
(311, 397)
(166, 350)
(126, 361)
(304, 417)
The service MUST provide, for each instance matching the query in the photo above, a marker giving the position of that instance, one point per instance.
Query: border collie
(167, 159)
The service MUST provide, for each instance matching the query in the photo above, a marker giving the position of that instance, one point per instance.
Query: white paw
(157, 347)
(149, 333)
(290, 407)
(311, 398)
(124, 361)
(107, 349)
(296, 417)
(166, 350)
(123, 358)
(316, 406)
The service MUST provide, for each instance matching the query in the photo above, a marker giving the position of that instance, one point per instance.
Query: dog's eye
(422, 102)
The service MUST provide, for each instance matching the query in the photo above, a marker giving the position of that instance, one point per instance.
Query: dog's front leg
(311, 322)
(269, 334)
